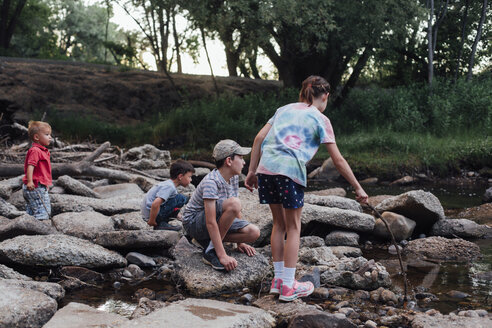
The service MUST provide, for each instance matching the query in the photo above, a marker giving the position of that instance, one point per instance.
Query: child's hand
(361, 196)
(245, 248)
(30, 186)
(152, 223)
(228, 262)
(251, 181)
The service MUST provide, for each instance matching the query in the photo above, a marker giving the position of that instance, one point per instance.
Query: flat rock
(317, 255)
(328, 192)
(480, 214)
(333, 201)
(335, 217)
(440, 248)
(8, 273)
(86, 224)
(21, 307)
(137, 239)
(462, 228)
(319, 320)
(284, 310)
(58, 250)
(256, 213)
(110, 206)
(25, 225)
(342, 238)
(8, 185)
(345, 251)
(75, 187)
(401, 226)
(8, 210)
(130, 221)
(118, 190)
(201, 280)
(376, 200)
(420, 206)
(449, 321)
(205, 313)
(52, 290)
(82, 316)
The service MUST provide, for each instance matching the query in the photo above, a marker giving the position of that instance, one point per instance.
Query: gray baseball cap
(228, 147)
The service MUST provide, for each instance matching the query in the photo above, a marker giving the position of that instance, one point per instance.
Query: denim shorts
(279, 189)
(37, 202)
(196, 227)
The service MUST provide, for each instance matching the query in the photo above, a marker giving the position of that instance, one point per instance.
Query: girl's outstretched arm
(345, 170)
(251, 179)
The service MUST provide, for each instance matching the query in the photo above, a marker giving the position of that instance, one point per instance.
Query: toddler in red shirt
(37, 169)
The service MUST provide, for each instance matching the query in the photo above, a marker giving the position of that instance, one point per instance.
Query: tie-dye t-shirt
(294, 138)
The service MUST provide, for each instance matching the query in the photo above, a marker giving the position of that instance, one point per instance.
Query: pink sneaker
(299, 289)
(276, 286)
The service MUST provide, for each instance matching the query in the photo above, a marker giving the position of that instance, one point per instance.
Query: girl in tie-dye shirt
(278, 169)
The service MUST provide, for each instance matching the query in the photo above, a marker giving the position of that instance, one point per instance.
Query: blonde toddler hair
(35, 127)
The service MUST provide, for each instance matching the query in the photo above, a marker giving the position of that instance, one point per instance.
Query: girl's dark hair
(180, 167)
(312, 88)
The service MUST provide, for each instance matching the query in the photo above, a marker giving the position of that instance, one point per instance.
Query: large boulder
(75, 187)
(462, 228)
(21, 307)
(8, 210)
(25, 225)
(77, 315)
(333, 201)
(58, 250)
(131, 239)
(440, 248)
(401, 227)
(8, 185)
(110, 206)
(205, 313)
(118, 190)
(8, 273)
(256, 213)
(201, 280)
(335, 217)
(52, 290)
(130, 221)
(328, 192)
(420, 206)
(86, 224)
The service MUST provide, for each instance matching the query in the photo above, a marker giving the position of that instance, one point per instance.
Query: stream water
(438, 280)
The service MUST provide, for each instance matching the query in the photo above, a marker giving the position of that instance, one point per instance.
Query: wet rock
(320, 320)
(256, 213)
(58, 250)
(369, 181)
(439, 248)
(75, 187)
(345, 251)
(334, 217)
(376, 200)
(145, 292)
(82, 274)
(285, 311)
(52, 290)
(132, 239)
(86, 224)
(130, 221)
(118, 190)
(8, 185)
(333, 201)
(25, 225)
(8, 273)
(485, 276)
(448, 321)
(318, 255)
(462, 228)
(342, 238)
(311, 242)
(21, 307)
(8, 210)
(480, 214)
(405, 181)
(487, 197)
(146, 306)
(110, 206)
(204, 313)
(77, 315)
(201, 280)
(140, 259)
(457, 294)
(328, 192)
(401, 226)
(392, 249)
(420, 206)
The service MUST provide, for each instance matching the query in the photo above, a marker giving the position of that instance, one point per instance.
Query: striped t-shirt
(213, 186)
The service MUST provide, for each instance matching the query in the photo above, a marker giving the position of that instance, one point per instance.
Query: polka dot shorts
(279, 189)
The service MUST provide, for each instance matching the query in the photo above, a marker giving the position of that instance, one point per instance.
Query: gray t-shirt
(213, 186)
(165, 190)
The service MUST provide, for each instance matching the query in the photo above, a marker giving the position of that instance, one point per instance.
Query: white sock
(210, 246)
(288, 276)
(278, 269)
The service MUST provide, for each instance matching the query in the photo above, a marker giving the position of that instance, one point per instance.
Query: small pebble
(117, 285)
(370, 324)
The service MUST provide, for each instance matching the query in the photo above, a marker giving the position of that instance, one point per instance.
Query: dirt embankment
(113, 95)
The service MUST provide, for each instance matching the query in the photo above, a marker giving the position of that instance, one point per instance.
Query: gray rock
(75, 187)
(21, 307)
(462, 228)
(25, 225)
(140, 157)
(318, 255)
(8, 210)
(132, 239)
(449, 321)
(86, 224)
(52, 290)
(311, 242)
(313, 277)
(312, 320)
(118, 190)
(8, 273)
(201, 280)
(420, 206)
(8, 185)
(401, 226)
(110, 206)
(57, 190)
(17, 199)
(135, 271)
(405, 181)
(487, 197)
(82, 274)
(204, 313)
(256, 213)
(326, 171)
(342, 238)
(334, 217)
(439, 248)
(130, 221)
(285, 311)
(140, 259)
(345, 251)
(146, 306)
(77, 315)
(333, 201)
(58, 250)
(328, 192)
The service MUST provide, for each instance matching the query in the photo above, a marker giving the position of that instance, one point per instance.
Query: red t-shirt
(39, 157)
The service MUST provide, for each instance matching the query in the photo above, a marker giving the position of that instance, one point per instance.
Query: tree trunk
(430, 56)
(477, 39)
(462, 43)
(208, 60)
(177, 44)
(7, 26)
(252, 64)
